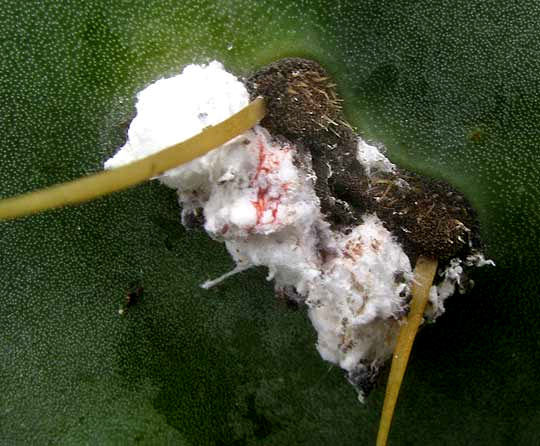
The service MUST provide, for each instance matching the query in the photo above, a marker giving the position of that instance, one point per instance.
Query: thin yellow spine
(424, 272)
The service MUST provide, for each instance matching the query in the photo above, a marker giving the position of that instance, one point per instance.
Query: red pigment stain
(262, 158)
(264, 203)
(260, 204)
(267, 163)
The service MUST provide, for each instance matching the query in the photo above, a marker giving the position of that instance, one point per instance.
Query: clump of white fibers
(257, 195)
(174, 109)
(372, 159)
(452, 278)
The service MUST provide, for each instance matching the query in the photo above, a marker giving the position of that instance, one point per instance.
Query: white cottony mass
(256, 194)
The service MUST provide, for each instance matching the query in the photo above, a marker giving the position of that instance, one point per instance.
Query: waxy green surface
(451, 89)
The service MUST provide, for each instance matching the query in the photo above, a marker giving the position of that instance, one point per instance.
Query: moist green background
(451, 88)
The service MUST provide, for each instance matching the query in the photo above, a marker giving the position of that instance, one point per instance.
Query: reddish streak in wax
(262, 159)
(261, 203)
(267, 163)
